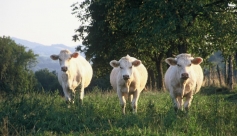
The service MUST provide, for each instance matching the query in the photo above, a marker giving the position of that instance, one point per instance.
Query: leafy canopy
(149, 28)
(15, 73)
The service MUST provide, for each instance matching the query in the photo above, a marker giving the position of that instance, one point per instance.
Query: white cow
(183, 78)
(75, 70)
(128, 78)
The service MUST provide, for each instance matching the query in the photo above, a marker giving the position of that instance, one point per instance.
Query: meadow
(213, 112)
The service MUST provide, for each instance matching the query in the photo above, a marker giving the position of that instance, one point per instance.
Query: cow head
(183, 63)
(125, 64)
(64, 59)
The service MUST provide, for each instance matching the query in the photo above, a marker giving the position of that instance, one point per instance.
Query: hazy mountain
(44, 52)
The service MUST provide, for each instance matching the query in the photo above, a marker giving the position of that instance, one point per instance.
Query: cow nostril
(125, 77)
(185, 75)
(64, 69)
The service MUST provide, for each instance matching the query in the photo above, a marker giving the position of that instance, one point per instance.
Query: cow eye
(130, 67)
(178, 65)
(121, 68)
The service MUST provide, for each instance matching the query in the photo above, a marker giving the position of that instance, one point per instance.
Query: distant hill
(44, 52)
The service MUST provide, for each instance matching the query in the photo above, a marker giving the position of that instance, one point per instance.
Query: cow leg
(66, 94)
(188, 101)
(175, 101)
(82, 93)
(73, 96)
(134, 101)
(178, 102)
(130, 98)
(122, 100)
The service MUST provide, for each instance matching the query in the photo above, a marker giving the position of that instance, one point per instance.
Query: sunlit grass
(212, 113)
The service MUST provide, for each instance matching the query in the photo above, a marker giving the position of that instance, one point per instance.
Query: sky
(42, 21)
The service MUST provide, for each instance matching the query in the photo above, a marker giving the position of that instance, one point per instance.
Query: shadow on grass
(229, 95)
(212, 90)
(232, 98)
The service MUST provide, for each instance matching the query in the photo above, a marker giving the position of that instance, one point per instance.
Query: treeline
(153, 30)
(17, 76)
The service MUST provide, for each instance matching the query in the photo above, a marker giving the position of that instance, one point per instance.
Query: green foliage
(152, 30)
(101, 82)
(47, 80)
(47, 114)
(14, 69)
(152, 26)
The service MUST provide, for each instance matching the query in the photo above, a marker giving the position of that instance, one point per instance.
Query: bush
(15, 73)
(48, 81)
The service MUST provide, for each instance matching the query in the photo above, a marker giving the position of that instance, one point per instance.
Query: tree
(151, 29)
(15, 61)
(48, 81)
(225, 39)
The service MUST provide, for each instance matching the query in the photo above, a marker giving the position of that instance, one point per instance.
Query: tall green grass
(212, 113)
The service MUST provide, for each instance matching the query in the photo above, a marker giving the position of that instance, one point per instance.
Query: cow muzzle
(64, 69)
(184, 76)
(126, 77)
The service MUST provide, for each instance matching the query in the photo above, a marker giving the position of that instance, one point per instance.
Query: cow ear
(171, 61)
(136, 63)
(54, 57)
(75, 55)
(197, 60)
(114, 63)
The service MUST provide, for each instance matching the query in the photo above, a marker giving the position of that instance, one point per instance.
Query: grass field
(213, 112)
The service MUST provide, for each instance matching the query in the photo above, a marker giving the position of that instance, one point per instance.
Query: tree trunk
(151, 80)
(226, 72)
(169, 53)
(182, 48)
(219, 74)
(209, 76)
(230, 73)
(235, 58)
(159, 68)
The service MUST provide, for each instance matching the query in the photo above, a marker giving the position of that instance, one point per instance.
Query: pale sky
(42, 21)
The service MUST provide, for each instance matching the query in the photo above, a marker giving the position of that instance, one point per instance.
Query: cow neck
(182, 85)
(67, 74)
(127, 83)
